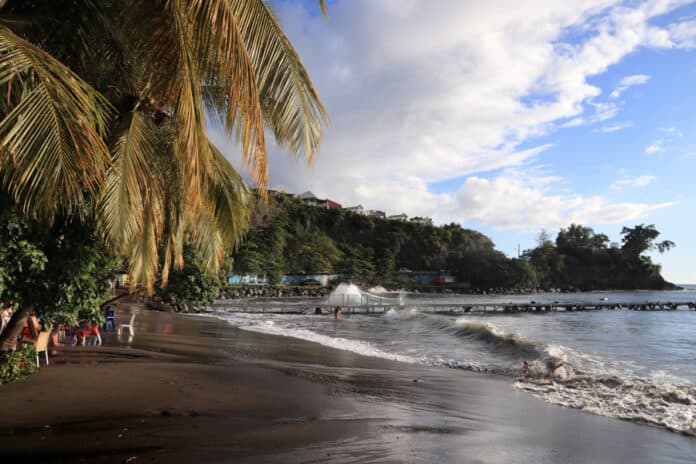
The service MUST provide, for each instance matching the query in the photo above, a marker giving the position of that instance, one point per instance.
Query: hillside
(289, 237)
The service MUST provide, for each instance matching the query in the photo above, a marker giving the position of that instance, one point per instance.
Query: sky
(503, 116)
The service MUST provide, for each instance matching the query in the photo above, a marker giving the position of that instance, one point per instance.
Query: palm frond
(51, 133)
(144, 257)
(224, 217)
(231, 199)
(291, 104)
(322, 6)
(222, 60)
(133, 178)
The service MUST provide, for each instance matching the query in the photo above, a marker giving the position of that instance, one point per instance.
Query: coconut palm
(105, 105)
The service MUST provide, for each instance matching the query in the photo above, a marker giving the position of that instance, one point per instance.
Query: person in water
(528, 370)
(337, 313)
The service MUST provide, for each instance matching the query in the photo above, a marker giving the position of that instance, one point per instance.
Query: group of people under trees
(35, 324)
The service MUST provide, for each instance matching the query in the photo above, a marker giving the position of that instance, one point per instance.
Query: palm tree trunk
(8, 337)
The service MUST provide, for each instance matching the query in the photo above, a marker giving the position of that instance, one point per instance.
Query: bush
(18, 365)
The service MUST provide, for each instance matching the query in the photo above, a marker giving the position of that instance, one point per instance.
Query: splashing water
(346, 295)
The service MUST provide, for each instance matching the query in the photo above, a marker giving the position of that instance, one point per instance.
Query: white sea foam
(666, 405)
(354, 346)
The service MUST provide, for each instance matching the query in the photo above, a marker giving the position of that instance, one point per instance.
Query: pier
(305, 307)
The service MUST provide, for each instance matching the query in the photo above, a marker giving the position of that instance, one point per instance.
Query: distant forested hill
(289, 237)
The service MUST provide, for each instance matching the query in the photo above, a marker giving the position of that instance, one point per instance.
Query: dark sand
(191, 389)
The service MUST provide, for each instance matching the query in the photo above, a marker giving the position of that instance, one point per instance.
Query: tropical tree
(577, 239)
(105, 112)
(312, 253)
(106, 105)
(641, 238)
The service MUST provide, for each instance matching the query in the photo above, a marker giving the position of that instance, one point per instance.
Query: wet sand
(193, 389)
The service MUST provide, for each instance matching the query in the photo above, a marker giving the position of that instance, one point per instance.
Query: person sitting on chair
(32, 327)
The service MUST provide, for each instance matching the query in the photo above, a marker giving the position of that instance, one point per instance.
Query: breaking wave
(566, 377)
(558, 374)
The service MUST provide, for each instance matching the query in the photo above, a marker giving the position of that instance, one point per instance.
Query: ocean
(631, 365)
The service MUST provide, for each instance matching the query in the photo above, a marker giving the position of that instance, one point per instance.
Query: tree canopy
(105, 114)
(290, 237)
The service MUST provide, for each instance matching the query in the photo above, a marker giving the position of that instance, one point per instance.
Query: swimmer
(337, 313)
(526, 369)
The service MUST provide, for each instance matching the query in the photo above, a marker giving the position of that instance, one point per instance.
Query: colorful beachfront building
(427, 277)
(247, 279)
(287, 279)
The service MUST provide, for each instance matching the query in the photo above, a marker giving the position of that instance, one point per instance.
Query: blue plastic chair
(110, 318)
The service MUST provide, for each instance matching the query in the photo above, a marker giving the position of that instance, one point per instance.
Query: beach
(196, 389)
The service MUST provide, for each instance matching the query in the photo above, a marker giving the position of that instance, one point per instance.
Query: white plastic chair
(128, 326)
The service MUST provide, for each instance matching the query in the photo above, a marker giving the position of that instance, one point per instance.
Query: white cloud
(420, 93)
(640, 181)
(511, 203)
(683, 34)
(654, 147)
(629, 81)
(672, 132)
(662, 143)
(617, 126)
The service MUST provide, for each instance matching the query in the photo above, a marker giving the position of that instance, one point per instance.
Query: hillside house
(422, 220)
(308, 198)
(328, 204)
(356, 209)
(375, 213)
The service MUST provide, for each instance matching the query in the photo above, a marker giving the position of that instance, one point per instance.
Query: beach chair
(128, 326)
(42, 346)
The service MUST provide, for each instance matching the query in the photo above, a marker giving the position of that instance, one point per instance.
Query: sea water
(633, 365)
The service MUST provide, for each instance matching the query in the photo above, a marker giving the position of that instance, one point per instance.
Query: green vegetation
(18, 365)
(60, 270)
(192, 285)
(290, 237)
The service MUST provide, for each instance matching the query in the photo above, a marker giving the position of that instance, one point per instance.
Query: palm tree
(104, 109)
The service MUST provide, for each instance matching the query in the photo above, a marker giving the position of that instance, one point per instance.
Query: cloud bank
(426, 94)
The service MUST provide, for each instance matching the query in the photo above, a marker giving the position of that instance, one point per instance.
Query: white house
(398, 217)
(375, 213)
(356, 209)
(422, 220)
(308, 197)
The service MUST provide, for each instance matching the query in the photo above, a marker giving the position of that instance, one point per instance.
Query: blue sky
(505, 119)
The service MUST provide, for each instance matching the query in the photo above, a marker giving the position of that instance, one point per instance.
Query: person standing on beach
(5, 314)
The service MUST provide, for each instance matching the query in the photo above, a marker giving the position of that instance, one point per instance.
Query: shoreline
(251, 292)
(194, 388)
